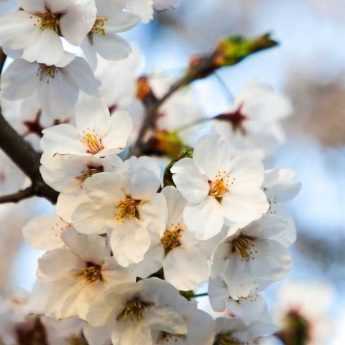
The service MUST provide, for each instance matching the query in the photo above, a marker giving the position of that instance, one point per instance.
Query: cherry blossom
(254, 121)
(125, 203)
(140, 313)
(252, 258)
(71, 278)
(56, 88)
(95, 132)
(220, 187)
(36, 28)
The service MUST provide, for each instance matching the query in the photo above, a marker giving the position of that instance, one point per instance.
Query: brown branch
(16, 197)
(229, 52)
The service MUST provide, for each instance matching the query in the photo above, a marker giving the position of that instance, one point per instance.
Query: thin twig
(16, 197)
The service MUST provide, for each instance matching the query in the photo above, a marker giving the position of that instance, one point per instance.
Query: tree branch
(16, 197)
(229, 52)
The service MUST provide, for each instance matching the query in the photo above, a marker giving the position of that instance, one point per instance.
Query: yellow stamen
(134, 310)
(91, 273)
(244, 246)
(127, 209)
(100, 26)
(219, 186)
(172, 238)
(48, 21)
(93, 143)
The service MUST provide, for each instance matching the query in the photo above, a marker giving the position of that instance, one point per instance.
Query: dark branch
(229, 52)
(16, 197)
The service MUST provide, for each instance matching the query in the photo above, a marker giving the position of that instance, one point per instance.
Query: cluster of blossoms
(135, 236)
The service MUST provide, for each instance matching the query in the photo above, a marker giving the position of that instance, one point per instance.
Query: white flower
(253, 258)
(71, 278)
(96, 133)
(67, 173)
(185, 260)
(35, 29)
(127, 204)
(44, 232)
(11, 178)
(255, 119)
(103, 37)
(56, 87)
(236, 332)
(220, 187)
(138, 313)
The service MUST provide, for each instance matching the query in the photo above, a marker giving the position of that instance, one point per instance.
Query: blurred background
(309, 67)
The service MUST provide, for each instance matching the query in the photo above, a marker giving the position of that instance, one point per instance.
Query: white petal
(205, 220)
(189, 181)
(175, 204)
(90, 248)
(186, 269)
(45, 232)
(212, 155)
(58, 263)
(78, 21)
(111, 46)
(129, 243)
(82, 75)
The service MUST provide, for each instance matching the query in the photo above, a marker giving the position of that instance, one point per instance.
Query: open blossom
(56, 88)
(220, 187)
(112, 18)
(252, 258)
(35, 29)
(185, 260)
(126, 204)
(139, 313)
(95, 133)
(255, 119)
(72, 277)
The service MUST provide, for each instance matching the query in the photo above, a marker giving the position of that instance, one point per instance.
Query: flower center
(93, 143)
(127, 209)
(99, 26)
(91, 273)
(46, 73)
(219, 186)
(134, 310)
(172, 238)
(225, 339)
(244, 246)
(48, 21)
(90, 171)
